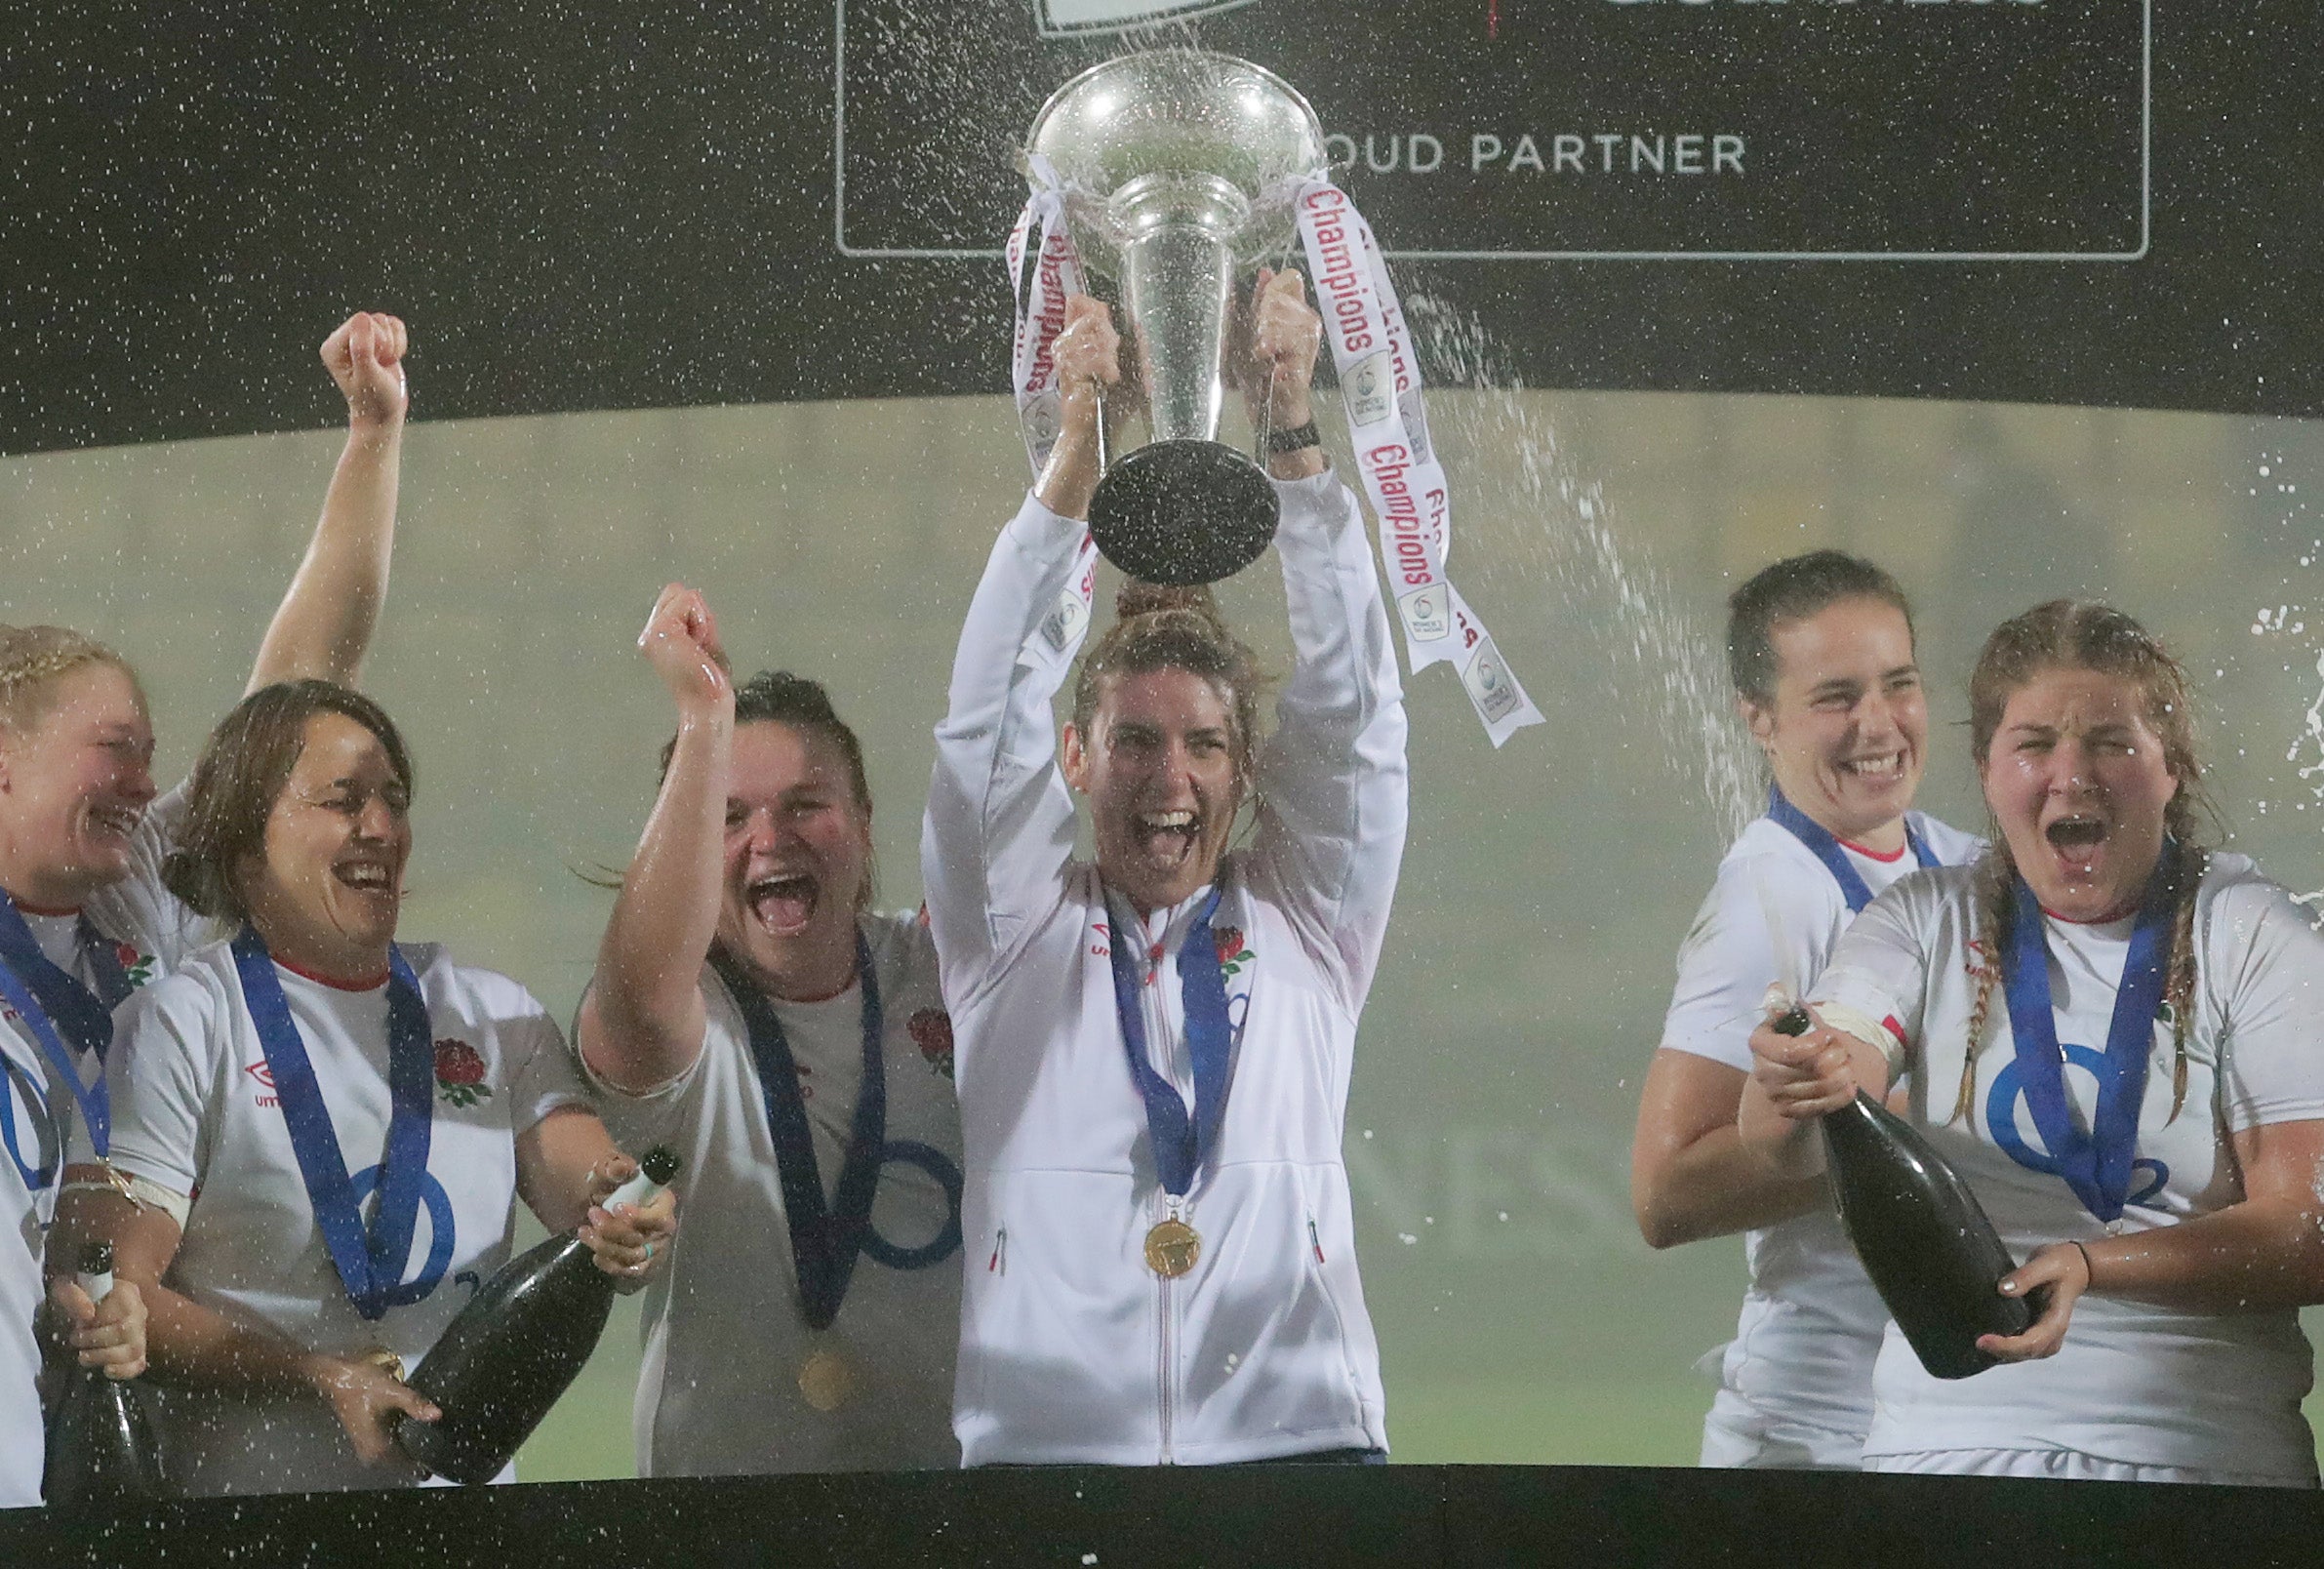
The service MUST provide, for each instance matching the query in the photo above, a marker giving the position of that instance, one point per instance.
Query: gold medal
(1172, 1247)
(387, 1361)
(827, 1380)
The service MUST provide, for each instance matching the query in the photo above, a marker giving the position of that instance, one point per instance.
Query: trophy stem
(1177, 288)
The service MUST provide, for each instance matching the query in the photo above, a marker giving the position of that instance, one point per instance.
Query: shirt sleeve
(140, 910)
(160, 1076)
(1738, 947)
(2271, 990)
(542, 1073)
(998, 832)
(1879, 969)
(1333, 781)
(640, 1118)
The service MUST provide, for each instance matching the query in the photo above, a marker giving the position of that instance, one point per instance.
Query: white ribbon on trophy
(1040, 297)
(1380, 382)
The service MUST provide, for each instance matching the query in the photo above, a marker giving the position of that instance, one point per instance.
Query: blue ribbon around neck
(53, 1004)
(2096, 1165)
(1826, 848)
(825, 1240)
(1182, 1141)
(371, 1261)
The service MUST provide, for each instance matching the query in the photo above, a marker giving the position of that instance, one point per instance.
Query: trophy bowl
(1178, 169)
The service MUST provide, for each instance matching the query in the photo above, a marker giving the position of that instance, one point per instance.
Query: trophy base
(1184, 512)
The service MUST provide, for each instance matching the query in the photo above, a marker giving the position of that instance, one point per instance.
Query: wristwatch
(1298, 438)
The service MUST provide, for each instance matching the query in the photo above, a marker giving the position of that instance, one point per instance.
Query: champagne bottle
(517, 1346)
(1932, 1253)
(100, 1447)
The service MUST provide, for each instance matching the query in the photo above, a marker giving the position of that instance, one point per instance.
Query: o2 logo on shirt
(24, 1120)
(940, 1168)
(2148, 1177)
(442, 1233)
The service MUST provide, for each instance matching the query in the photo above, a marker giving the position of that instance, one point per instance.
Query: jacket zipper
(998, 1264)
(1162, 1372)
(1323, 1284)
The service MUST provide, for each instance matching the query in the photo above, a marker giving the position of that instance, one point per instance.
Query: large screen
(1546, 887)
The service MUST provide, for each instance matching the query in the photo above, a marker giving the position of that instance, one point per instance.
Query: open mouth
(783, 904)
(1166, 838)
(1885, 769)
(2076, 841)
(115, 821)
(365, 875)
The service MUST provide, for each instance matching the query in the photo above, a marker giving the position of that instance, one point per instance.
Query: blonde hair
(34, 658)
(2068, 634)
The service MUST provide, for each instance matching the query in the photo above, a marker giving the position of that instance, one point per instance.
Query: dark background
(629, 203)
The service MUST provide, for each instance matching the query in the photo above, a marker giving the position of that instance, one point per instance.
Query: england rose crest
(1232, 955)
(932, 1031)
(460, 1074)
(138, 967)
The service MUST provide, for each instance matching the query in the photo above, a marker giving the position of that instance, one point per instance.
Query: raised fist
(1088, 359)
(1286, 335)
(681, 642)
(366, 358)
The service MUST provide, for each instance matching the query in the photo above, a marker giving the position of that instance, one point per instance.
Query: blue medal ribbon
(2096, 1165)
(1182, 1140)
(824, 1239)
(1825, 846)
(50, 1000)
(371, 1261)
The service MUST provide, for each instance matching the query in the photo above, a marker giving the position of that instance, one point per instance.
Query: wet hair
(1793, 590)
(779, 697)
(32, 659)
(241, 774)
(1156, 628)
(2067, 634)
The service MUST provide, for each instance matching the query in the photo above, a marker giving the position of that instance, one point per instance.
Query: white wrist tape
(142, 1191)
(1863, 1027)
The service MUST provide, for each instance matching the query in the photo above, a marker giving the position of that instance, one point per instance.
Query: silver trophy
(1178, 169)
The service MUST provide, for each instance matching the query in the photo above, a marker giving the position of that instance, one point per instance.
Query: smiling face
(1846, 731)
(73, 786)
(326, 892)
(1159, 769)
(2077, 777)
(798, 860)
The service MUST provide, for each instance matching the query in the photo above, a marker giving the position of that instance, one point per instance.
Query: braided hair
(2079, 635)
(32, 659)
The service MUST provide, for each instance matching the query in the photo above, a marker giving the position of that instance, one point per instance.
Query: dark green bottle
(518, 1344)
(1932, 1253)
(101, 1451)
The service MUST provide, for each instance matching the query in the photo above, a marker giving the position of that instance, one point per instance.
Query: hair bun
(1138, 598)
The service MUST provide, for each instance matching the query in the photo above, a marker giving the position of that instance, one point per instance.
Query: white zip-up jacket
(1071, 1347)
